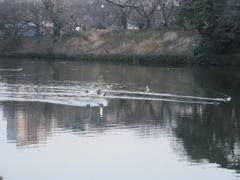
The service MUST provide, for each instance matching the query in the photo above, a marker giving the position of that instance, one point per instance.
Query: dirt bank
(168, 45)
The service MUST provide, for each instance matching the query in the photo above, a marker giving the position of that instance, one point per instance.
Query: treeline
(70, 15)
(217, 21)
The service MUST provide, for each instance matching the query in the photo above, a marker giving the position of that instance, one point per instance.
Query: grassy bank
(168, 45)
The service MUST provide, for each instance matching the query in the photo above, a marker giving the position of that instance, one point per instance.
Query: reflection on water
(51, 123)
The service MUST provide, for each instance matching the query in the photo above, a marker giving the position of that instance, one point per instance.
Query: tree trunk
(165, 18)
(149, 24)
(124, 22)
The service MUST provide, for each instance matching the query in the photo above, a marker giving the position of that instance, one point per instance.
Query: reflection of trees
(130, 112)
(28, 123)
(79, 119)
(215, 136)
(205, 131)
(127, 113)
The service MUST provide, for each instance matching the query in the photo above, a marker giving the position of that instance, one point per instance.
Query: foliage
(227, 33)
(10, 44)
(202, 14)
(217, 21)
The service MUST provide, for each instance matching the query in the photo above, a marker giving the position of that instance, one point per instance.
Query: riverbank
(168, 45)
(107, 57)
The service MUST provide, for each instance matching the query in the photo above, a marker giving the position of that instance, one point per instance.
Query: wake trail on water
(81, 95)
(137, 95)
(228, 98)
(19, 69)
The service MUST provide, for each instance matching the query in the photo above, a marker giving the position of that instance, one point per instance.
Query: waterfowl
(147, 89)
(216, 103)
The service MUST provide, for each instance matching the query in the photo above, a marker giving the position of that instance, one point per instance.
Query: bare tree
(62, 16)
(12, 15)
(167, 8)
(3, 20)
(101, 16)
(34, 16)
(146, 10)
(123, 9)
(54, 10)
(75, 14)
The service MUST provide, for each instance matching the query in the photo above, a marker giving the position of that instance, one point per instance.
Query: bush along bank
(134, 59)
(106, 57)
(167, 46)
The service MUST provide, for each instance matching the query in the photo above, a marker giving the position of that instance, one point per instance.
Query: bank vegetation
(174, 31)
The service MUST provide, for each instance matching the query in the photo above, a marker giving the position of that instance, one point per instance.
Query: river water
(149, 122)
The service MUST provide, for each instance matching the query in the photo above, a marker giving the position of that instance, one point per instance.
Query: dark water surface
(154, 122)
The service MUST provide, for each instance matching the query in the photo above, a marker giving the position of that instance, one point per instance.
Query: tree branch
(121, 5)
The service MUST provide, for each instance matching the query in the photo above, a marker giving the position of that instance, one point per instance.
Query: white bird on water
(147, 89)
